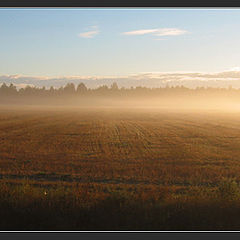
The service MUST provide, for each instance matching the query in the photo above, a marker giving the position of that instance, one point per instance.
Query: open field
(136, 156)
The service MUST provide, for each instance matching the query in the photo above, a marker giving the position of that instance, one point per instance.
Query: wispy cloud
(141, 32)
(170, 32)
(158, 32)
(90, 34)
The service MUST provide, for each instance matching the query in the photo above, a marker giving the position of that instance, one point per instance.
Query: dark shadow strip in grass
(70, 179)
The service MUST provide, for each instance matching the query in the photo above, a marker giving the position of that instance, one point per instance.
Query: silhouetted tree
(12, 89)
(4, 89)
(51, 90)
(114, 86)
(81, 88)
(69, 88)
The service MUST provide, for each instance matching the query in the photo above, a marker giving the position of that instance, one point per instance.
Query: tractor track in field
(112, 148)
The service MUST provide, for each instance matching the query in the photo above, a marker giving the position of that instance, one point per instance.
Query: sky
(118, 42)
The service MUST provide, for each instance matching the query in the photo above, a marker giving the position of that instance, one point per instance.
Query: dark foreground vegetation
(27, 207)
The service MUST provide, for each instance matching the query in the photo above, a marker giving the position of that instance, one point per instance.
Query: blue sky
(106, 42)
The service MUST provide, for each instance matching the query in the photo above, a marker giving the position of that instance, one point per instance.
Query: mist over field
(164, 90)
(79, 95)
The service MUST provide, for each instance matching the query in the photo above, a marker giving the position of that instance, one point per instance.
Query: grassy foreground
(28, 207)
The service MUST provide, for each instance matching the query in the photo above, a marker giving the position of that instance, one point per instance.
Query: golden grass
(145, 153)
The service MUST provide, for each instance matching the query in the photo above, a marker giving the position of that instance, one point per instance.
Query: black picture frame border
(221, 235)
(121, 3)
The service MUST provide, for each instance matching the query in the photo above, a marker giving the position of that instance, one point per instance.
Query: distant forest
(80, 95)
(81, 90)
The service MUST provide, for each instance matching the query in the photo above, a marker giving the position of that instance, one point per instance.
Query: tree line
(81, 90)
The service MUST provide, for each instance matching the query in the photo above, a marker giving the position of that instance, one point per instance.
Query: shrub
(228, 189)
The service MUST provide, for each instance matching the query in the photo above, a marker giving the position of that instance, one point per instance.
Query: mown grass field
(119, 169)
